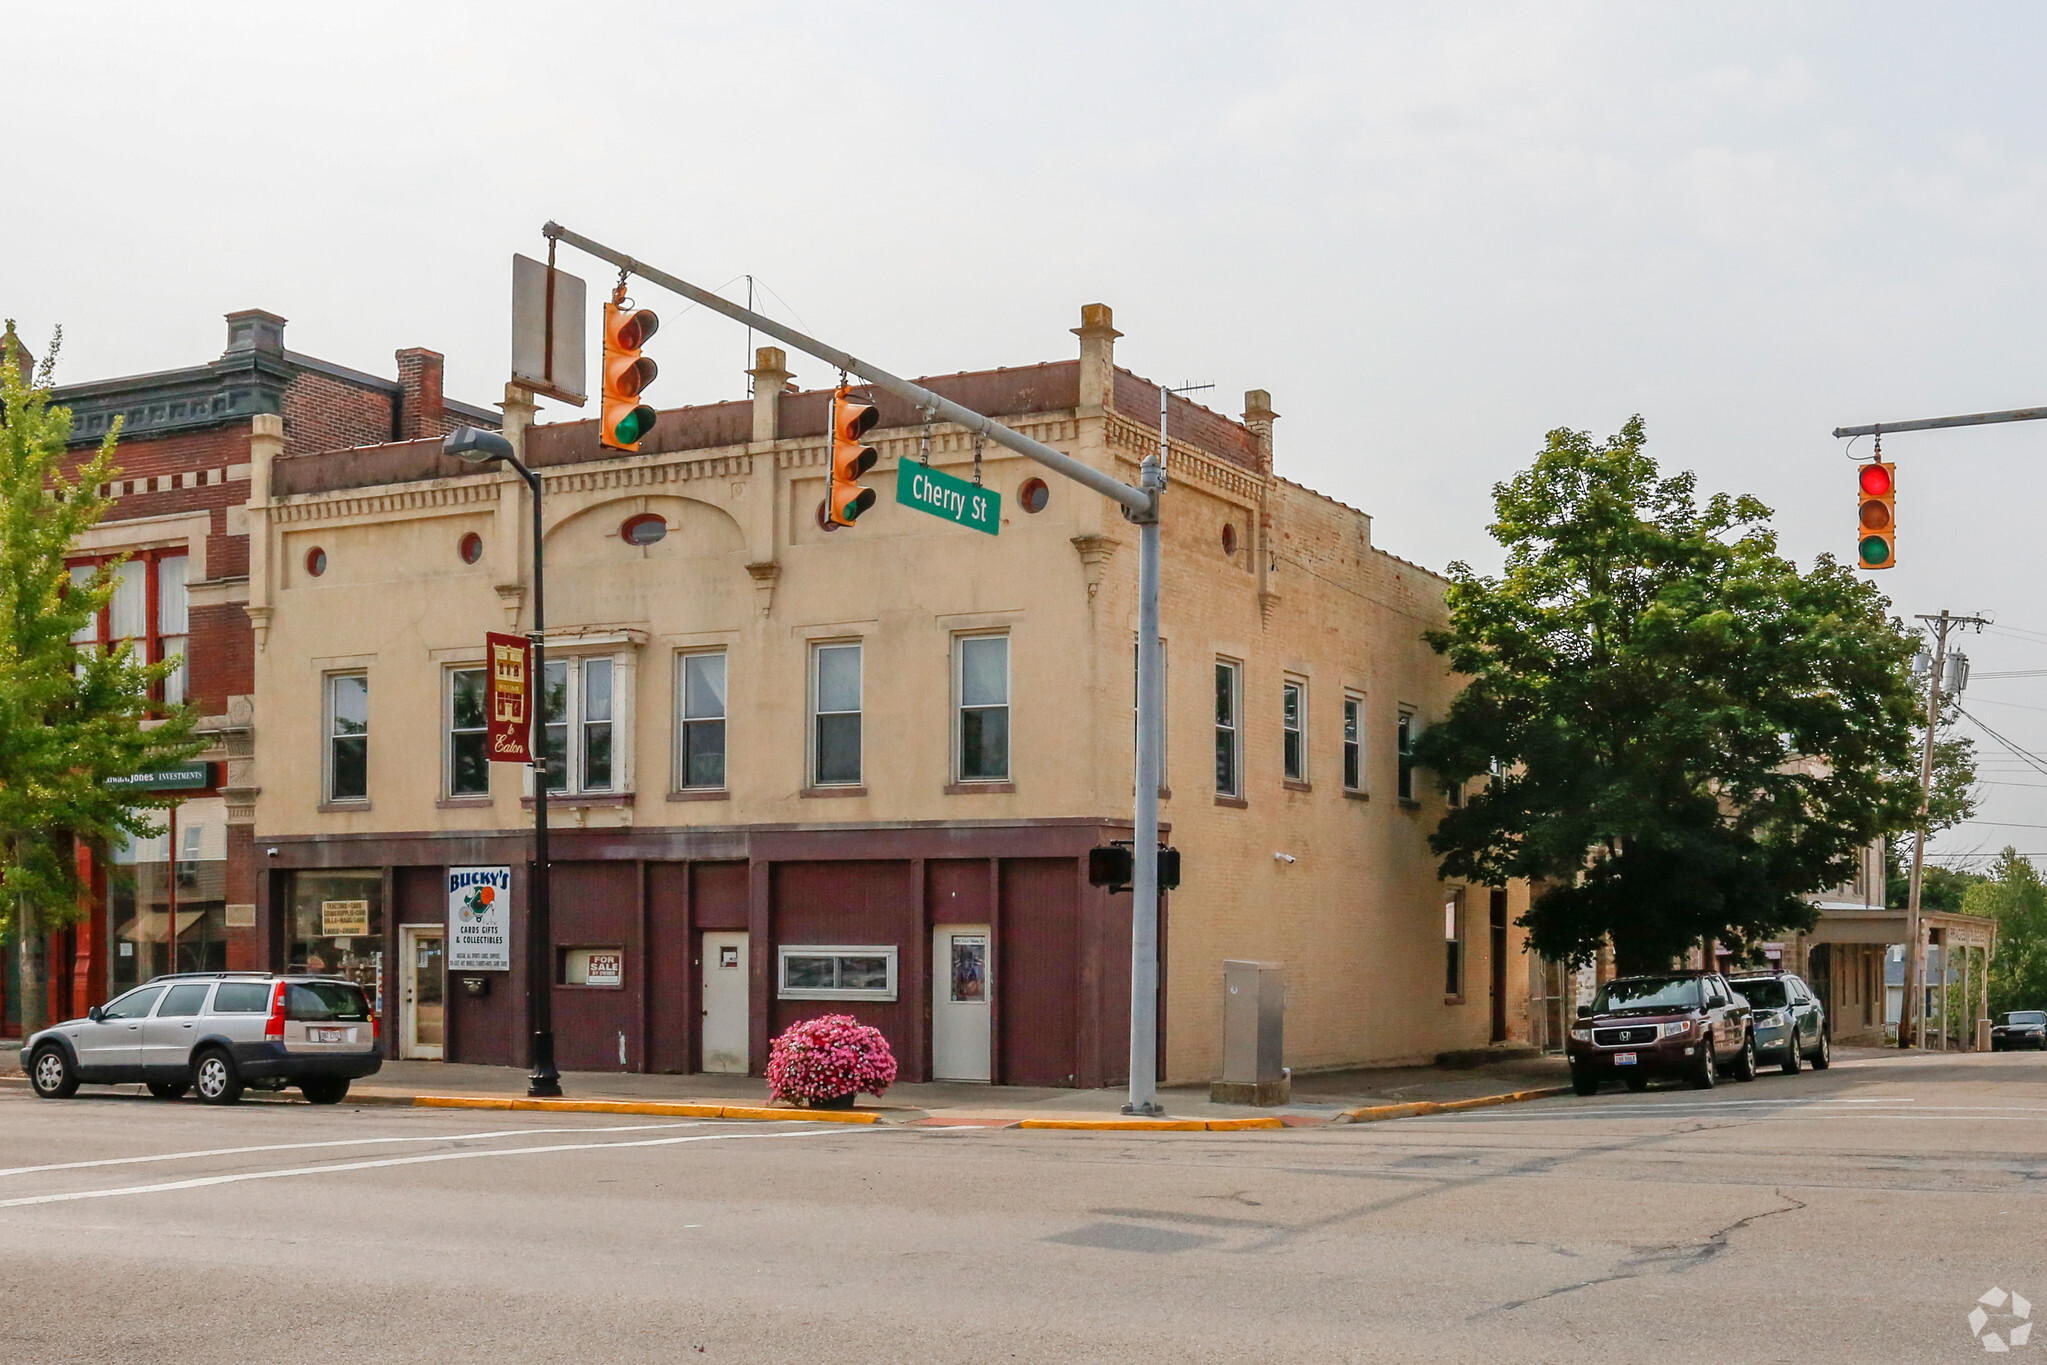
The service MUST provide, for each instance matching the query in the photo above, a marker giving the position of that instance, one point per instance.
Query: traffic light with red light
(1877, 543)
(624, 420)
(845, 499)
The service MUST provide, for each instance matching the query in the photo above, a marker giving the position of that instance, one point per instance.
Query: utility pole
(1140, 506)
(1911, 1008)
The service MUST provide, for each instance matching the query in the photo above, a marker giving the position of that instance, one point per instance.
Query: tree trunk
(32, 954)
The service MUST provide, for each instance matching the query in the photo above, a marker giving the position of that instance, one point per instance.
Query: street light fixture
(477, 446)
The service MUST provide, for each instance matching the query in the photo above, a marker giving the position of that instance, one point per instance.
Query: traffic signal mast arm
(1974, 419)
(1139, 501)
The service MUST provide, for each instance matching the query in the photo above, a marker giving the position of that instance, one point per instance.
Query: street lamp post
(478, 446)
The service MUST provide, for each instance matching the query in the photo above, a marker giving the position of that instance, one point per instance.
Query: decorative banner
(479, 919)
(510, 723)
(344, 919)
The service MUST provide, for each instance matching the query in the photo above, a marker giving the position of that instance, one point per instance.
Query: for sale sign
(510, 724)
(479, 919)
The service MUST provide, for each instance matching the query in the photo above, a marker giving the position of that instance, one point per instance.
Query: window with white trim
(835, 715)
(1453, 943)
(1229, 729)
(1353, 743)
(836, 972)
(347, 722)
(576, 715)
(700, 721)
(1404, 746)
(981, 690)
(150, 609)
(466, 759)
(1293, 722)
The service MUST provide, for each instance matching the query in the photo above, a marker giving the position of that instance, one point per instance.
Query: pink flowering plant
(825, 1058)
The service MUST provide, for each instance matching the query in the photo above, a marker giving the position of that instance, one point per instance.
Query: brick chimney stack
(420, 407)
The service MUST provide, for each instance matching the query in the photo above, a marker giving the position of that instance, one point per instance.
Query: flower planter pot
(836, 1102)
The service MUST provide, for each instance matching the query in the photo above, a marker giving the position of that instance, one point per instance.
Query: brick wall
(322, 412)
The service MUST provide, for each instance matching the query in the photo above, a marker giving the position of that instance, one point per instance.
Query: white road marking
(201, 1182)
(339, 1142)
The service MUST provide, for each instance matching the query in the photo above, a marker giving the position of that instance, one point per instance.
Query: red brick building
(186, 900)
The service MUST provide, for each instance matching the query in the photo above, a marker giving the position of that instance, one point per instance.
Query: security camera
(273, 852)
(1285, 858)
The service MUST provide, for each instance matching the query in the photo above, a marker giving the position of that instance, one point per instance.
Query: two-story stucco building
(806, 771)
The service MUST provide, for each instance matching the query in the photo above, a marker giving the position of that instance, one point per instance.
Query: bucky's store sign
(479, 919)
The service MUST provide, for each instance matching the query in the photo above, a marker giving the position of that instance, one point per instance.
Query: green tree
(1688, 734)
(69, 720)
(2016, 898)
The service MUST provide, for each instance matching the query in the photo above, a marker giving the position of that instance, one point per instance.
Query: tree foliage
(1689, 735)
(69, 719)
(2016, 898)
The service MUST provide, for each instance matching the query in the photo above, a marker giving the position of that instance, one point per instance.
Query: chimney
(1097, 333)
(253, 331)
(419, 399)
(770, 373)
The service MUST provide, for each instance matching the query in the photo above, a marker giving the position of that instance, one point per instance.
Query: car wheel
(1707, 1074)
(168, 1090)
(1794, 1055)
(52, 1074)
(215, 1078)
(1745, 1062)
(1824, 1058)
(1637, 1083)
(1584, 1082)
(326, 1090)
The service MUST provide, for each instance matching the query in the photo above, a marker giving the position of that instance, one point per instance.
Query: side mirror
(1584, 1011)
(94, 1014)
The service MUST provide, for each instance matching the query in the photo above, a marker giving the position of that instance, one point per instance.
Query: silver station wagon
(217, 1033)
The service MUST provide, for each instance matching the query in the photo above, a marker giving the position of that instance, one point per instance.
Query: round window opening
(645, 529)
(1033, 495)
(316, 561)
(1229, 539)
(472, 548)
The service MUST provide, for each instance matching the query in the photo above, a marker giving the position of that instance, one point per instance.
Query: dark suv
(2019, 1028)
(1680, 1024)
(1790, 1023)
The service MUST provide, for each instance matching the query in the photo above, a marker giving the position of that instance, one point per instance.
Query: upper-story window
(348, 737)
(1353, 744)
(1229, 730)
(1453, 944)
(835, 715)
(700, 721)
(1404, 746)
(981, 684)
(149, 607)
(467, 760)
(576, 716)
(1293, 722)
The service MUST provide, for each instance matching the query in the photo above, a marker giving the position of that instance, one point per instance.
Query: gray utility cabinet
(1254, 1036)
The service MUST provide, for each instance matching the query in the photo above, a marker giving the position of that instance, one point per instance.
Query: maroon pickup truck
(1687, 1025)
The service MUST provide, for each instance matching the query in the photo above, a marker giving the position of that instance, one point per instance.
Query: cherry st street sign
(951, 499)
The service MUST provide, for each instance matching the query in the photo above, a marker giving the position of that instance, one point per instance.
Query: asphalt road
(1855, 1215)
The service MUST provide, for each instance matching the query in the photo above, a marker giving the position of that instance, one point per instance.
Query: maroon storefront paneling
(958, 891)
(596, 905)
(670, 949)
(419, 895)
(717, 895)
(1036, 972)
(848, 903)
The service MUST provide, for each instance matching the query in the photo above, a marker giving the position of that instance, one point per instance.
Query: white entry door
(962, 999)
(424, 949)
(727, 998)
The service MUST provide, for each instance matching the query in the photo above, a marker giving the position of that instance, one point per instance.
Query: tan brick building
(863, 768)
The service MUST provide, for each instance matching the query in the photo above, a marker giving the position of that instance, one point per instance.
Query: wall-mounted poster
(479, 919)
(344, 919)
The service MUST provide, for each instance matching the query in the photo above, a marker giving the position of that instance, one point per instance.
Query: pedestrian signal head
(625, 421)
(845, 499)
(1877, 528)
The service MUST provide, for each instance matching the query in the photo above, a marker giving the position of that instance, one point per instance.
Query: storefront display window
(156, 924)
(337, 927)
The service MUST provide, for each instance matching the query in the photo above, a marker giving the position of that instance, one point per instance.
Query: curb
(1154, 1125)
(665, 1110)
(1379, 1112)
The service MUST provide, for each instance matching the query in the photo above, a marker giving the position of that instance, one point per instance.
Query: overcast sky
(1433, 232)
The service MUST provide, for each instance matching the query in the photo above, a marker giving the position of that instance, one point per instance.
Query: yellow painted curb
(1120, 1125)
(1242, 1125)
(1417, 1108)
(653, 1107)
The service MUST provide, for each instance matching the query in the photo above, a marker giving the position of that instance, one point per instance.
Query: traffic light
(625, 421)
(1877, 546)
(845, 499)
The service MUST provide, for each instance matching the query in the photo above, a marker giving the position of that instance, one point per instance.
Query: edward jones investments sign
(479, 919)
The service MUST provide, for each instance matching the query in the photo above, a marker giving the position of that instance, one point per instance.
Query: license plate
(331, 1035)
(1623, 1059)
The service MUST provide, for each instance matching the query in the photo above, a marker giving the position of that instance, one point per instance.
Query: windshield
(1765, 993)
(2026, 1017)
(1647, 992)
(323, 1000)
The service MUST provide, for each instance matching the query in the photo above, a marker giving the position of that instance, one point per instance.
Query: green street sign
(934, 491)
(190, 777)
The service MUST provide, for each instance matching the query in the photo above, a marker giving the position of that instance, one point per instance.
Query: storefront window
(167, 916)
(337, 927)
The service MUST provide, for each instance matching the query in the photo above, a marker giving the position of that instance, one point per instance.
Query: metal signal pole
(1911, 1011)
(1140, 505)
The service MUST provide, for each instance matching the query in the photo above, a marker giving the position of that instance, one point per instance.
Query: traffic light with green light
(1877, 547)
(624, 420)
(845, 499)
